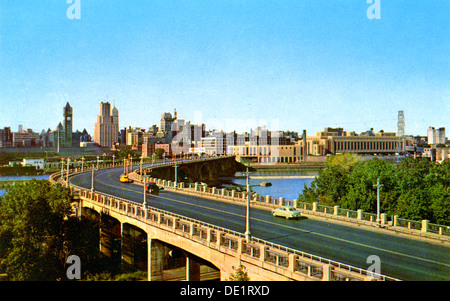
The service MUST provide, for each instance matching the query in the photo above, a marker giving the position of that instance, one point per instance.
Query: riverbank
(313, 166)
(8, 181)
(6, 184)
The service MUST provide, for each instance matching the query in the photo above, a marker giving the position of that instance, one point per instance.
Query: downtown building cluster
(177, 136)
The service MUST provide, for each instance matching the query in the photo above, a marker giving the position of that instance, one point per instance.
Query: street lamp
(62, 169)
(68, 166)
(145, 188)
(378, 186)
(92, 178)
(247, 217)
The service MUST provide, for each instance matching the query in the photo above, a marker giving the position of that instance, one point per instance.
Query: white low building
(38, 163)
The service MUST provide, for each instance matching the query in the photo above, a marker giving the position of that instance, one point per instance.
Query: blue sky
(291, 65)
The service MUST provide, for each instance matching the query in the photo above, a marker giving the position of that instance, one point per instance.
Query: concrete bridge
(148, 238)
(163, 232)
(207, 170)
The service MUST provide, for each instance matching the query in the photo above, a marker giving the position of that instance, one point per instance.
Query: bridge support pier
(192, 269)
(155, 259)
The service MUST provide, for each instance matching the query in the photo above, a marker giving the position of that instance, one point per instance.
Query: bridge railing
(418, 228)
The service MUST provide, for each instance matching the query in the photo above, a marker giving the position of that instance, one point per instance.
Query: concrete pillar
(383, 218)
(281, 201)
(291, 266)
(327, 272)
(192, 269)
(395, 223)
(233, 193)
(268, 199)
(336, 209)
(314, 209)
(155, 260)
(425, 225)
(263, 253)
(359, 214)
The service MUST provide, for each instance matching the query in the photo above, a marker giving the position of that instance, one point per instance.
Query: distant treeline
(413, 189)
(19, 170)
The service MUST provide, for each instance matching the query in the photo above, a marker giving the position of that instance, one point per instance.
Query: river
(21, 178)
(287, 184)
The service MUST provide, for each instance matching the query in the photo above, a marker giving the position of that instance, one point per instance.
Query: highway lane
(400, 257)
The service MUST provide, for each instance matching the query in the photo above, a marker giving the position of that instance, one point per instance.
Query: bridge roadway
(400, 257)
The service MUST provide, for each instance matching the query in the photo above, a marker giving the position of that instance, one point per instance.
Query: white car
(287, 212)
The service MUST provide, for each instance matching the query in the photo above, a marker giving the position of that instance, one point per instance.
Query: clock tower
(67, 126)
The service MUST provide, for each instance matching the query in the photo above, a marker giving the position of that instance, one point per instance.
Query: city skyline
(294, 64)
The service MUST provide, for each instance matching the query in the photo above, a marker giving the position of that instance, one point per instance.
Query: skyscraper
(401, 131)
(401, 124)
(436, 136)
(106, 129)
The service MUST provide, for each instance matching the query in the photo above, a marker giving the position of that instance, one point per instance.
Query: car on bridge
(287, 212)
(152, 188)
(125, 179)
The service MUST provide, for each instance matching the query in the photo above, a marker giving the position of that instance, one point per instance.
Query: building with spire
(62, 136)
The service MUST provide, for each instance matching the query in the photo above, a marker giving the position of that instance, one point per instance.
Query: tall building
(401, 132)
(106, 129)
(436, 136)
(67, 125)
(166, 124)
(401, 124)
(6, 137)
(62, 136)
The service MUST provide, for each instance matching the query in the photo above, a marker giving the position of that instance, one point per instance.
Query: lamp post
(247, 217)
(68, 166)
(145, 189)
(378, 186)
(176, 175)
(92, 178)
(62, 169)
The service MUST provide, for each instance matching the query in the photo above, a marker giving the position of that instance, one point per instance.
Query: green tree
(239, 274)
(361, 193)
(331, 184)
(413, 189)
(37, 233)
(123, 154)
(159, 152)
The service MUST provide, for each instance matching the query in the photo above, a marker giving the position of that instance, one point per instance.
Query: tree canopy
(37, 233)
(414, 189)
